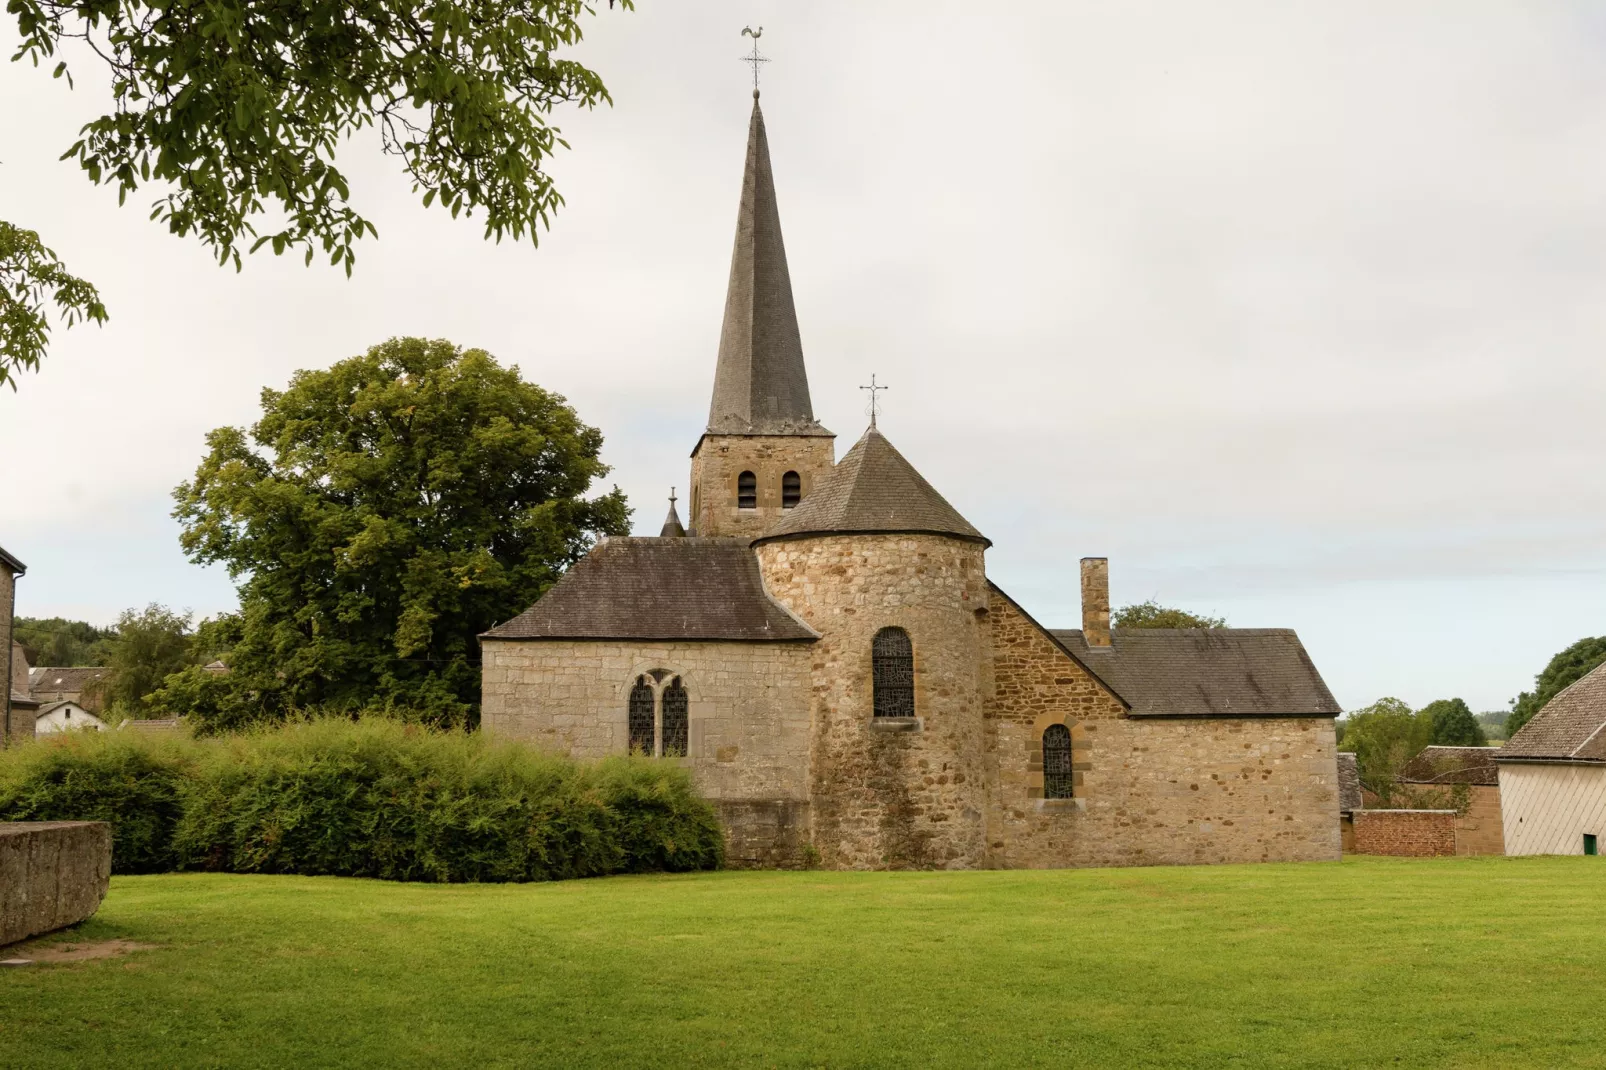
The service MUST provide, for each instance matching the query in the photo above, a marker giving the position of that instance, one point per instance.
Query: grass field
(1369, 962)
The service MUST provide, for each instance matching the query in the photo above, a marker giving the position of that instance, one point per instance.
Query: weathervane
(874, 390)
(755, 59)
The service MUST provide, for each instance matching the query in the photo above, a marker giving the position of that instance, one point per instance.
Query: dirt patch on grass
(81, 951)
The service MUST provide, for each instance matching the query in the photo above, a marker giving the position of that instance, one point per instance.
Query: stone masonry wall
(719, 461)
(1408, 833)
(1479, 830)
(892, 795)
(1147, 791)
(749, 720)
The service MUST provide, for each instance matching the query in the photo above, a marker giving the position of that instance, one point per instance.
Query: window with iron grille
(791, 490)
(747, 491)
(677, 706)
(641, 704)
(892, 662)
(1058, 781)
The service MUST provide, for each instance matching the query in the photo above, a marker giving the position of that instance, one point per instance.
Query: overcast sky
(1295, 312)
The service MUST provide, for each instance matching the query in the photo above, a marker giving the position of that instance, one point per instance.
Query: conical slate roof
(672, 529)
(873, 488)
(760, 385)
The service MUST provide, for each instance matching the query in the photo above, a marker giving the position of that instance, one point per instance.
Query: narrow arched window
(747, 491)
(641, 718)
(1058, 781)
(677, 706)
(791, 490)
(892, 663)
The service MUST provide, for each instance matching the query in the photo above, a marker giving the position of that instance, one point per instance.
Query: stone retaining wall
(1406, 833)
(52, 874)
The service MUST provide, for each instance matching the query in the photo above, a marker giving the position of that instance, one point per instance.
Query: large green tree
(1384, 736)
(1152, 614)
(147, 645)
(234, 109)
(380, 516)
(1566, 667)
(1453, 724)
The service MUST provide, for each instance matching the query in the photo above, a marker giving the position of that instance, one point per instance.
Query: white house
(1553, 775)
(64, 715)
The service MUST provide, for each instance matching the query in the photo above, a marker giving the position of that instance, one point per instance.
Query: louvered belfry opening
(641, 704)
(892, 660)
(677, 723)
(791, 490)
(1058, 781)
(747, 491)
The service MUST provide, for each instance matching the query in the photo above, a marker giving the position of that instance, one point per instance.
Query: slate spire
(760, 385)
(672, 528)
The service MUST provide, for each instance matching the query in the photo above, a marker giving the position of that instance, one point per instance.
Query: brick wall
(1407, 833)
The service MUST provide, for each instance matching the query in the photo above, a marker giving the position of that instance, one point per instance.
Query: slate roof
(23, 702)
(647, 588)
(1208, 672)
(1571, 727)
(1349, 782)
(1453, 765)
(873, 488)
(760, 385)
(74, 678)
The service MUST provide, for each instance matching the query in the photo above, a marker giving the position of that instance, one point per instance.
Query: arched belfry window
(677, 707)
(791, 490)
(892, 663)
(747, 491)
(1058, 781)
(641, 704)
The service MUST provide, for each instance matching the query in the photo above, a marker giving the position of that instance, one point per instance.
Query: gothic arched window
(677, 706)
(1058, 781)
(641, 718)
(791, 490)
(892, 664)
(747, 491)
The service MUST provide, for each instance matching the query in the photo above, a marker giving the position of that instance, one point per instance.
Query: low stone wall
(52, 874)
(1406, 833)
(764, 833)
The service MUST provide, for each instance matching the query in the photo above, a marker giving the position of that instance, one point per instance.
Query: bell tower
(763, 450)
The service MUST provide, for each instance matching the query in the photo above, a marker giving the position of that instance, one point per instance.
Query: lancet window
(747, 491)
(892, 662)
(791, 490)
(1058, 780)
(641, 718)
(677, 708)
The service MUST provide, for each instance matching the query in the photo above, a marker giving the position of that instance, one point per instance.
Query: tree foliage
(31, 278)
(59, 642)
(1384, 736)
(1152, 614)
(1453, 724)
(1564, 669)
(236, 109)
(146, 647)
(379, 517)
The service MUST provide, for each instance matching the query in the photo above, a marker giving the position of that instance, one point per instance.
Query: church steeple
(760, 384)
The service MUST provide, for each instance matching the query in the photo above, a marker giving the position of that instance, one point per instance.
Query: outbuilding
(1553, 775)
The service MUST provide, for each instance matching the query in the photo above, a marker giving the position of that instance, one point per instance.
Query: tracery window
(677, 706)
(641, 710)
(747, 491)
(791, 490)
(1058, 781)
(892, 664)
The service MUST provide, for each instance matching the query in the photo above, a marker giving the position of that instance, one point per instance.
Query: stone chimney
(1096, 602)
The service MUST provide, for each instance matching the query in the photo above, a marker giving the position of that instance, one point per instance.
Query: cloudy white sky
(1293, 311)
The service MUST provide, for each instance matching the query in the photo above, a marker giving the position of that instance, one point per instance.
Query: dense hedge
(365, 799)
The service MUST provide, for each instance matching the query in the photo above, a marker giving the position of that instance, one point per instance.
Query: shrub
(390, 800)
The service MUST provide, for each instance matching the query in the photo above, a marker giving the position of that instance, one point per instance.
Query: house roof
(1571, 727)
(51, 707)
(1453, 765)
(1349, 782)
(71, 678)
(1208, 672)
(23, 702)
(647, 588)
(760, 384)
(152, 724)
(11, 562)
(873, 489)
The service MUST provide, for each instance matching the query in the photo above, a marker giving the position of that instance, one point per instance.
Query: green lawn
(1368, 962)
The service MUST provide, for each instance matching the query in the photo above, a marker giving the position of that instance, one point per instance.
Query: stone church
(823, 651)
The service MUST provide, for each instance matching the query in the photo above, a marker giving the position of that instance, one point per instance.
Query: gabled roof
(647, 588)
(1349, 782)
(69, 678)
(23, 702)
(52, 707)
(760, 385)
(1453, 765)
(1571, 727)
(873, 489)
(11, 562)
(1208, 672)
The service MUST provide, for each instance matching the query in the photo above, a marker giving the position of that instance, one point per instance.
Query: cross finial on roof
(874, 390)
(672, 498)
(755, 59)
